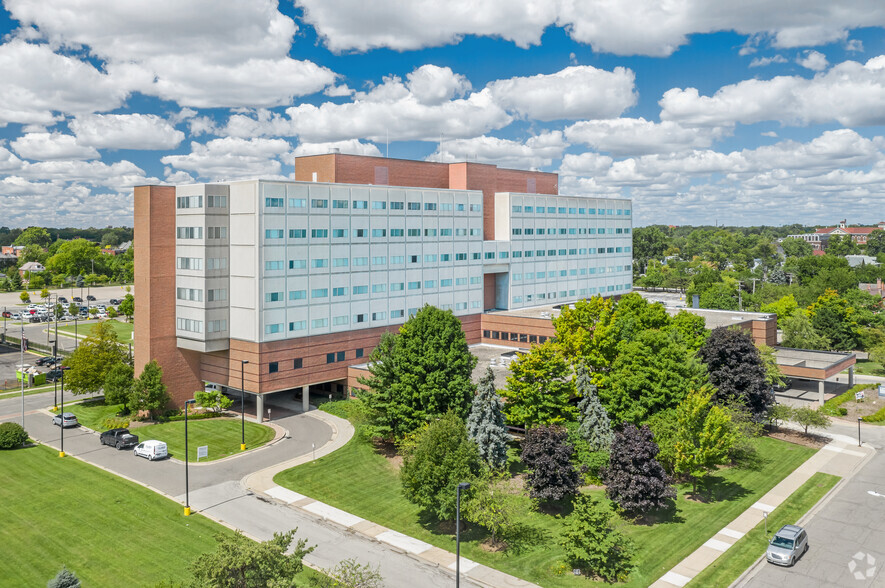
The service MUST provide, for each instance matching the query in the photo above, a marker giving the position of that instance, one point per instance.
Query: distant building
(34, 267)
(856, 260)
(877, 289)
(819, 239)
(15, 250)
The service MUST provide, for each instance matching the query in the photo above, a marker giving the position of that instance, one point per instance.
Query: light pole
(61, 452)
(76, 340)
(858, 431)
(461, 486)
(187, 504)
(55, 390)
(243, 363)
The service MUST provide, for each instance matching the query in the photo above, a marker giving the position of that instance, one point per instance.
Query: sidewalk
(261, 482)
(840, 457)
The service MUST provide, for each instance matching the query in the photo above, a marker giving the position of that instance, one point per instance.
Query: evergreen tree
(15, 280)
(595, 424)
(486, 426)
(65, 578)
(634, 478)
(592, 543)
(548, 454)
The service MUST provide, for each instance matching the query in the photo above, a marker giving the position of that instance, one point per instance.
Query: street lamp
(461, 486)
(243, 363)
(61, 452)
(187, 504)
(55, 388)
(858, 431)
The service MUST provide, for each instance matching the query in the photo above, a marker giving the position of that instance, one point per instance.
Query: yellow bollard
(61, 453)
(187, 511)
(242, 447)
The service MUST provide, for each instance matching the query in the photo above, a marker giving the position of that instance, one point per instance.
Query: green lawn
(117, 534)
(123, 329)
(222, 435)
(730, 565)
(91, 413)
(378, 498)
(868, 367)
(109, 531)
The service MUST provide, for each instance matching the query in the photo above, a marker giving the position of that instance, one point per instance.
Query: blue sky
(701, 113)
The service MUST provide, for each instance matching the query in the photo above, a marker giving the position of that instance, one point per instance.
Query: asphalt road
(846, 535)
(215, 489)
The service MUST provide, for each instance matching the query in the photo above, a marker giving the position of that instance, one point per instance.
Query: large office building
(284, 284)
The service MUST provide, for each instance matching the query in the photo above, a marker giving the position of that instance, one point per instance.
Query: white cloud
(231, 158)
(850, 93)
(39, 84)
(125, 131)
(201, 53)
(813, 60)
(645, 27)
(46, 146)
(351, 147)
(637, 136)
(338, 91)
(535, 153)
(432, 85)
(764, 61)
(575, 92)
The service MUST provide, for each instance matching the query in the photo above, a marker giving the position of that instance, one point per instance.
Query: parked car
(65, 420)
(49, 359)
(152, 450)
(119, 438)
(16, 316)
(114, 301)
(54, 374)
(91, 298)
(7, 314)
(62, 300)
(77, 299)
(787, 545)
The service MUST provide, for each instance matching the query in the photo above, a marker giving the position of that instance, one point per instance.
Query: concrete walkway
(261, 482)
(841, 457)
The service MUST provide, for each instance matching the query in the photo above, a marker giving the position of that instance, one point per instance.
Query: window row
(197, 232)
(342, 291)
(569, 294)
(197, 202)
(518, 277)
(378, 316)
(517, 337)
(196, 263)
(367, 233)
(571, 210)
(570, 231)
(324, 203)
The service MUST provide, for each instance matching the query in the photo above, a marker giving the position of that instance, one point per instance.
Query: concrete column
(305, 398)
(851, 376)
(820, 392)
(259, 407)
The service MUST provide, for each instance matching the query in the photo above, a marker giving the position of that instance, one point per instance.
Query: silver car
(65, 420)
(787, 545)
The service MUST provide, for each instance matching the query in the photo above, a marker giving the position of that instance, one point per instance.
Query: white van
(151, 450)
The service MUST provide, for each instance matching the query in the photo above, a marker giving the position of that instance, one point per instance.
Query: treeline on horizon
(121, 234)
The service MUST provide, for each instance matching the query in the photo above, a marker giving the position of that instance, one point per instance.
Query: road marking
(675, 579)
(731, 533)
(874, 493)
(717, 544)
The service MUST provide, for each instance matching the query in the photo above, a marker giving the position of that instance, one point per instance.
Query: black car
(77, 299)
(119, 438)
(48, 360)
(54, 375)
(62, 300)
(114, 301)
(91, 298)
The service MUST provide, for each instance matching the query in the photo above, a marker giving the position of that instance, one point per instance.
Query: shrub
(592, 544)
(194, 416)
(876, 417)
(12, 436)
(65, 578)
(831, 406)
(115, 422)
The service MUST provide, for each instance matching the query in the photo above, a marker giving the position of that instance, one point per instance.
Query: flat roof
(812, 365)
(722, 318)
(546, 311)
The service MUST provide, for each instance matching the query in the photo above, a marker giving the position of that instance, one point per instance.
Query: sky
(729, 113)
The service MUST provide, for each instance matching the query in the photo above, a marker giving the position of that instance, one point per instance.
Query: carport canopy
(808, 364)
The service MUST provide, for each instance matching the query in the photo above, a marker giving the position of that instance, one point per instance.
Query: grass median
(221, 435)
(378, 497)
(740, 556)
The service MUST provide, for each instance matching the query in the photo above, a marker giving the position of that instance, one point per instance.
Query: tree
(704, 435)
(654, 277)
(783, 308)
(36, 281)
(548, 455)
(796, 247)
(634, 478)
(651, 373)
(12, 435)
(809, 417)
(34, 236)
(92, 360)
(779, 413)
(593, 544)
(832, 318)
(75, 257)
(773, 374)
(720, 296)
(148, 390)
(842, 245)
(127, 306)
(427, 373)
(349, 573)
(65, 578)
(239, 562)
(25, 297)
(777, 276)
(876, 243)
(112, 312)
(595, 425)
(494, 506)
(486, 426)
(800, 334)
(15, 279)
(690, 328)
(73, 309)
(118, 383)
(213, 400)
(440, 457)
(539, 387)
(736, 369)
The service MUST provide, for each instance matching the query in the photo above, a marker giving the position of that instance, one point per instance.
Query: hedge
(831, 406)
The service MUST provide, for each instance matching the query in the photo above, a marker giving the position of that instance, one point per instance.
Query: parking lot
(9, 358)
